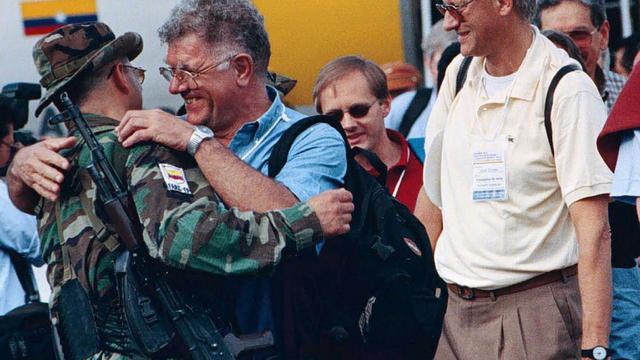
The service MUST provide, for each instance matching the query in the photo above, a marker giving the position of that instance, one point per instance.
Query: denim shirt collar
(258, 128)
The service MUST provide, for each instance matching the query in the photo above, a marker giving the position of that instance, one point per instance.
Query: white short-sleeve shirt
(494, 244)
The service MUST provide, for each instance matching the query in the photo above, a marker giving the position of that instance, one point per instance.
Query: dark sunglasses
(454, 10)
(357, 111)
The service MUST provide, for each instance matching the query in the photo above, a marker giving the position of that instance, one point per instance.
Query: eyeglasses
(182, 74)
(582, 36)
(138, 72)
(357, 111)
(454, 10)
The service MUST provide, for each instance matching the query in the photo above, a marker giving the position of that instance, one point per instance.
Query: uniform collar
(94, 121)
(528, 74)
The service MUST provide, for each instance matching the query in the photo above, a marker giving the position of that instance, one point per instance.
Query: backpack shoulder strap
(462, 73)
(280, 152)
(548, 103)
(416, 107)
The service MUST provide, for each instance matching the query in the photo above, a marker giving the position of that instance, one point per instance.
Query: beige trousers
(540, 323)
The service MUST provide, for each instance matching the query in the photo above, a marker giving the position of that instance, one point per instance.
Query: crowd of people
(521, 160)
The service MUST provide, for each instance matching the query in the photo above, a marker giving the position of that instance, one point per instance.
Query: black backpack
(373, 293)
(26, 332)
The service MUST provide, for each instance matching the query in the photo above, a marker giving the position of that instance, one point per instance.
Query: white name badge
(174, 178)
(489, 171)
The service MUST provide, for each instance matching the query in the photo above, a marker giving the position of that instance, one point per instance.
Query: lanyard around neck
(397, 187)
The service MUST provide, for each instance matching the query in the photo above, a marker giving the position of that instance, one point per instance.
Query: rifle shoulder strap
(416, 107)
(103, 234)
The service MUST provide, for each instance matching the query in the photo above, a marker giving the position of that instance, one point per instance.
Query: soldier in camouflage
(184, 223)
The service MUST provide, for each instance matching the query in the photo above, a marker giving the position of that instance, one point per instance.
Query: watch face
(599, 353)
(205, 130)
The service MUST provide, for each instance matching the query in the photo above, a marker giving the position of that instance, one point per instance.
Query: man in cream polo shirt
(514, 214)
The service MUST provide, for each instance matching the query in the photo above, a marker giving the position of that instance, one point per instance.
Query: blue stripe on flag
(52, 21)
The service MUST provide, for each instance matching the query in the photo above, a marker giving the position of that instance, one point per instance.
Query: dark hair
(449, 53)
(564, 42)
(597, 7)
(631, 45)
(79, 88)
(6, 116)
(342, 66)
(230, 23)
(526, 8)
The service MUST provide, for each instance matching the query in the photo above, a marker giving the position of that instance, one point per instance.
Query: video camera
(14, 99)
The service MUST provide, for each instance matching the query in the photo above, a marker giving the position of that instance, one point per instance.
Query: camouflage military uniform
(182, 230)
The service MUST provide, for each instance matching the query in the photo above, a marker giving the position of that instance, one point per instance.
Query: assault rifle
(153, 307)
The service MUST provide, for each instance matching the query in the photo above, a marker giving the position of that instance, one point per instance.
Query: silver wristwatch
(200, 134)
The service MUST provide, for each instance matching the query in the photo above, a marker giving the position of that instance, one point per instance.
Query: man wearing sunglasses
(354, 91)
(518, 213)
(585, 21)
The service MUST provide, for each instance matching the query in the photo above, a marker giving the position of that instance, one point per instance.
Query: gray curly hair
(526, 8)
(229, 23)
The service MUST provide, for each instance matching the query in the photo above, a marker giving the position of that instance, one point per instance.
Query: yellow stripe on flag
(35, 9)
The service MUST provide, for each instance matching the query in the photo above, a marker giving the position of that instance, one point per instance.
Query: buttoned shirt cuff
(587, 192)
(304, 225)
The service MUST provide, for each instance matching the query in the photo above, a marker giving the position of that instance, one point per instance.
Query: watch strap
(597, 353)
(200, 133)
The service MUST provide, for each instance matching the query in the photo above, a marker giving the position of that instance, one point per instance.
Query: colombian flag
(43, 16)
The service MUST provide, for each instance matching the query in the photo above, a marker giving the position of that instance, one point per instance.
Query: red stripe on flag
(40, 30)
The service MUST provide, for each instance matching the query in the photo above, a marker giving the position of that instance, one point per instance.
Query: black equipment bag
(372, 293)
(25, 332)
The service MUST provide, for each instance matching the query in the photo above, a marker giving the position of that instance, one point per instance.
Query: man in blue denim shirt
(316, 163)
(218, 54)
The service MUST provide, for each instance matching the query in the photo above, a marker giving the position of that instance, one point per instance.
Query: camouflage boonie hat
(66, 52)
